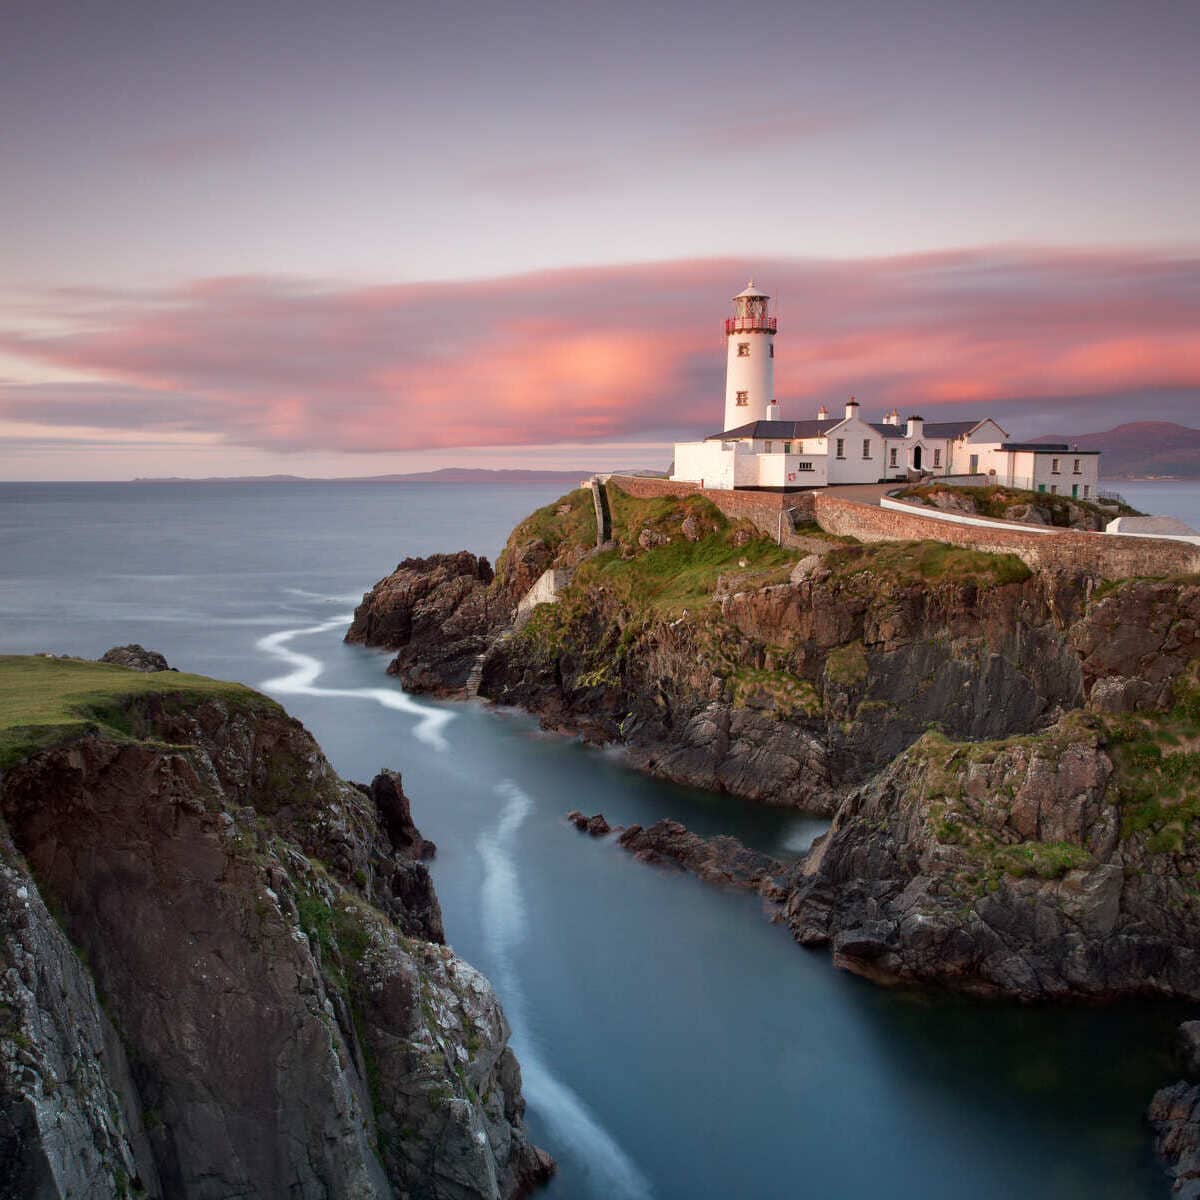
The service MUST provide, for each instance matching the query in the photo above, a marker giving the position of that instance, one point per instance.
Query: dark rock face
(439, 613)
(719, 860)
(284, 1018)
(136, 658)
(1175, 1118)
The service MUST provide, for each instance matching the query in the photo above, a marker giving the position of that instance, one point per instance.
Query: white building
(757, 450)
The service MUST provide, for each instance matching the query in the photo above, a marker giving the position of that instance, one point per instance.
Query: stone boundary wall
(1100, 553)
(1103, 554)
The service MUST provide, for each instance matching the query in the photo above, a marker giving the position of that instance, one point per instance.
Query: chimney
(893, 418)
(916, 427)
(851, 408)
(773, 411)
(822, 413)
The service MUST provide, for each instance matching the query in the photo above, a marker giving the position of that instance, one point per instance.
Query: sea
(674, 1043)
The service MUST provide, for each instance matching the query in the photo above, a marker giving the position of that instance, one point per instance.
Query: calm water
(674, 1043)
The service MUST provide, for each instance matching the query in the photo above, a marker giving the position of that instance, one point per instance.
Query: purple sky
(344, 161)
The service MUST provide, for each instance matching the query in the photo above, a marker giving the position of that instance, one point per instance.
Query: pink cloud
(608, 352)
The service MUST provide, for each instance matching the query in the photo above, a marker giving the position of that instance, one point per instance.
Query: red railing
(750, 325)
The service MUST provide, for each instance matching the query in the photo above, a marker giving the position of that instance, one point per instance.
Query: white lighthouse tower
(750, 369)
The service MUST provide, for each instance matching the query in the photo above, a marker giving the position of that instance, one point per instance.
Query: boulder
(136, 658)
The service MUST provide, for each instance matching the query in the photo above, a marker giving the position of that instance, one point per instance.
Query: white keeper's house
(759, 450)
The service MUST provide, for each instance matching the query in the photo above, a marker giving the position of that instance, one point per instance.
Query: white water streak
(302, 681)
(504, 923)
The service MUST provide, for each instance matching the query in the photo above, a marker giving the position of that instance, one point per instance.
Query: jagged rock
(578, 820)
(1175, 1118)
(648, 539)
(597, 826)
(721, 860)
(1187, 1045)
(691, 528)
(741, 537)
(136, 658)
(269, 953)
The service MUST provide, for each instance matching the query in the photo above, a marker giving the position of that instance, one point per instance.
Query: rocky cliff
(222, 968)
(1011, 756)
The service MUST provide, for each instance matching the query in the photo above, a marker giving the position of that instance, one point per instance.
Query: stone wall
(1107, 555)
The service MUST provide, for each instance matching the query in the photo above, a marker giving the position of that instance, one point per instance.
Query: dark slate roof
(949, 429)
(1045, 448)
(775, 429)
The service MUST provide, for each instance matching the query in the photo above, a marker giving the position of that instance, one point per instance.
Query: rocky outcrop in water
(222, 973)
(721, 860)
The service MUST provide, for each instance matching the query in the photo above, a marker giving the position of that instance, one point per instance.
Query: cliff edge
(222, 968)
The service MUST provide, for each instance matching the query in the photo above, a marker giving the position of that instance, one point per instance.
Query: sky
(370, 237)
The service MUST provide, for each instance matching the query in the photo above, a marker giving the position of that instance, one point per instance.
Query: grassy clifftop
(45, 700)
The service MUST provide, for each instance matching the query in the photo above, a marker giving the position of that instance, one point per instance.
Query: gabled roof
(954, 429)
(775, 429)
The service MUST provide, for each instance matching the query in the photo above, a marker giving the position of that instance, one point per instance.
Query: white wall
(754, 374)
(710, 463)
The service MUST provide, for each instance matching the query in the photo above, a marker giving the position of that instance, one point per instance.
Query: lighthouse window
(771, 350)
(743, 349)
(743, 398)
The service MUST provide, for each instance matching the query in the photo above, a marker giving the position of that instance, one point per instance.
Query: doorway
(916, 458)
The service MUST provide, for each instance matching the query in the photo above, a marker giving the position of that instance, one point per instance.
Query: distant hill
(444, 475)
(1141, 449)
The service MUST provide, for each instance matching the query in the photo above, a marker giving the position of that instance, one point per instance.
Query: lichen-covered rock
(136, 658)
(268, 947)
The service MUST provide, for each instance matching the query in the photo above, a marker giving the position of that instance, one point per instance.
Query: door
(1041, 487)
(1074, 491)
(916, 458)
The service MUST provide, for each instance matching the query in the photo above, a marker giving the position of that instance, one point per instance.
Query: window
(770, 349)
(1087, 490)
(973, 465)
(743, 398)
(866, 447)
(768, 447)
(804, 466)
(743, 349)
(1076, 470)
(787, 447)
(841, 447)
(1054, 489)
(892, 457)
(937, 458)
(1054, 467)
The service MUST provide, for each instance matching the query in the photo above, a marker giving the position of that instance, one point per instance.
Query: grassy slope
(48, 700)
(575, 526)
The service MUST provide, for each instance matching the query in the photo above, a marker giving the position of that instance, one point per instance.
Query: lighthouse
(750, 359)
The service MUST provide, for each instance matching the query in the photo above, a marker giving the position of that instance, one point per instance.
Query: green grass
(913, 562)
(44, 701)
(787, 694)
(574, 527)
(847, 664)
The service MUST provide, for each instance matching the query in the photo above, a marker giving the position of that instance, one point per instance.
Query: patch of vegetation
(1046, 860)
(994, 500)
(847, 664)
(1157, 760)
(783, 691)
(45, 701)
(573, 526)
(915, 562)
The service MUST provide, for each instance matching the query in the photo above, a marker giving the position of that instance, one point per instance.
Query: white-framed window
(1087, 490)
(1076, 469)
(787, 447)
(768, 447)
(743, 399)
(841, 447)
(1054, 467)
(892, 457)
(973, 465)
(866, 447)
(1054, 489)
(743, 349)
(937, 458)
(804, 466)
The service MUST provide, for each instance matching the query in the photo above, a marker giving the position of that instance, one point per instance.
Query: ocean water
(674, 1043)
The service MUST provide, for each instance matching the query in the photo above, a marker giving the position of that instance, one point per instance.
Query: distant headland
(444, 475)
